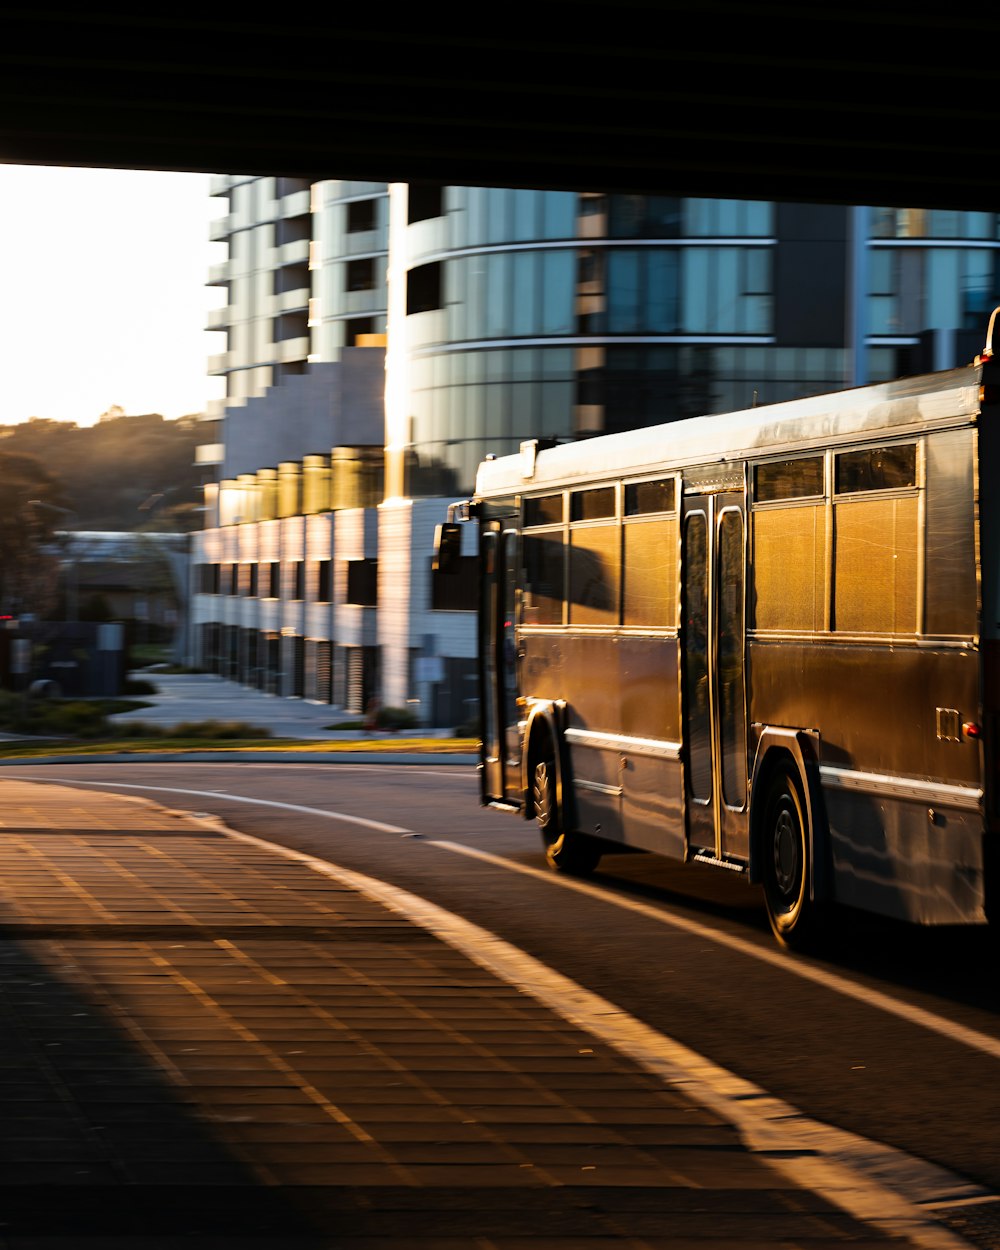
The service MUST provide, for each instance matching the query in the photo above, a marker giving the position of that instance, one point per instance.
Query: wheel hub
(786, 853)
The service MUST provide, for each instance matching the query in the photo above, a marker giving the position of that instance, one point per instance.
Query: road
(893, 1034)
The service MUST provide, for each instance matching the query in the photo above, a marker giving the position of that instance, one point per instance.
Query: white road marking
(820, 976)
(464, 771)
(239, 798)
(873, 1182)
(971, 1038)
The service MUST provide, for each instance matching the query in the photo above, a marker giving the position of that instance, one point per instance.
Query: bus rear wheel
(565, 851)
(785, 856)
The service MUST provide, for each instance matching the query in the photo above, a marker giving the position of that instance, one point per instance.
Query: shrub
(218, 729)
(138, 729)
(73, 718)
(394, 718)
(136, 685)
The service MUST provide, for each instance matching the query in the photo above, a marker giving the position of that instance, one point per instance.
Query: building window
(362, 583)
(361, 274)
(423, 288)
(645, 217)
(456, 591)
(360, 216)
(356, 326)
(425, 200)
(296, 579)
(883, 287)
(324, 581)
(592, 205)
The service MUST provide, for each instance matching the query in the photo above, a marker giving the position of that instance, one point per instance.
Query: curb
(260, 757)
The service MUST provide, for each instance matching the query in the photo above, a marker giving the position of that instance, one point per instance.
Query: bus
(766, 641)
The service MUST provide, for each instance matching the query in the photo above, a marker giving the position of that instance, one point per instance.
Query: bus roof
(896, 408)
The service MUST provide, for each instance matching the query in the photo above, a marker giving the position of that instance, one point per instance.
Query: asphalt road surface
(892, 1033)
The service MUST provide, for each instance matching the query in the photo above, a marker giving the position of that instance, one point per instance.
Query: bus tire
(565, 851)
(785, 860)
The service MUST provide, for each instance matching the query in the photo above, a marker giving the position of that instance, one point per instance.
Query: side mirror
(447, 548)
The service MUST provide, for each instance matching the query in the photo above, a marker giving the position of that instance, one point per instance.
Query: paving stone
(202, 1043)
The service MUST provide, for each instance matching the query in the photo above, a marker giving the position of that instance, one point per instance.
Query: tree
(30, 500)
(112, 468)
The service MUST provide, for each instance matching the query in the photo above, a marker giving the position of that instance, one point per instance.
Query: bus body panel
(891, 711)
(875, 706)
(914, 859)
(621, 729)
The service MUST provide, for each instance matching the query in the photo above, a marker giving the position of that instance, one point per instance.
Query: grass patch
(171, 743)
(61, 718)
(214, 729)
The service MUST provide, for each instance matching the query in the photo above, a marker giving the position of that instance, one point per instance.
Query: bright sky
(102, 293)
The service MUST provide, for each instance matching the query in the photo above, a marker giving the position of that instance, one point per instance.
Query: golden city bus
(767, 641)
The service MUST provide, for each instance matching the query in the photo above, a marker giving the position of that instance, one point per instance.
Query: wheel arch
(797, 750)
(543, 723)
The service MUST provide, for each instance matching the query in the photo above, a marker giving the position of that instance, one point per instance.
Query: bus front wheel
(564, 851)
(785, 857)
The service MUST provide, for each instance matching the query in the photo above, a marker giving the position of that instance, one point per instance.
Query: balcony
(290, 301)
(294, 253)
(218, 318)
(289, 350)
(219, 184)
(365, 243)
(218, 274)
(222, 362)
(295, 205)
(356, 303)
(220, 228)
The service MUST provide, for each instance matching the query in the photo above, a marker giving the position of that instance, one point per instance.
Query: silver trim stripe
(964, 797)
(654, 747)
(598, 787)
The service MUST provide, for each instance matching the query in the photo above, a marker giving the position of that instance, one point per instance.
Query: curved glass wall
(556, 315)
(930, 271)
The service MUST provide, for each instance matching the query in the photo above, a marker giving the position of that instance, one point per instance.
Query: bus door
(501, 749)
(713, 691)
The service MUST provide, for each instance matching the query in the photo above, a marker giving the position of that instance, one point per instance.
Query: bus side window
(789, 545)
(594, 557)
(875, 540)
(789, 567)
(594, 575)
(649, 568)
(542, 602)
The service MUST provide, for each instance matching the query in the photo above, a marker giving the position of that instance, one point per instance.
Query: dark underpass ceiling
(854, 104)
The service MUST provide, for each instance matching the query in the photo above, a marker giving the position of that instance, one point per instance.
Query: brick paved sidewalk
(205, 1044)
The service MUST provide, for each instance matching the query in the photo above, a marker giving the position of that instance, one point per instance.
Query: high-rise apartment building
(416, 329)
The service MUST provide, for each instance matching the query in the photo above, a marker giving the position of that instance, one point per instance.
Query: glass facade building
(509, 315)
(555, 315)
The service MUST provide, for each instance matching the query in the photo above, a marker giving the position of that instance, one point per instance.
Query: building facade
(496, 316)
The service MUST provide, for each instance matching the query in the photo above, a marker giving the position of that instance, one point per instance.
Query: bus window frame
(539, 531)
(830, 500)
(613, 521)
(637, 519)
